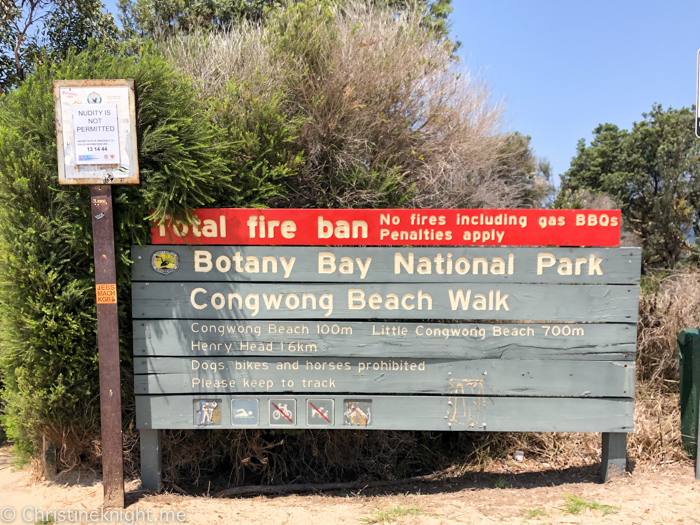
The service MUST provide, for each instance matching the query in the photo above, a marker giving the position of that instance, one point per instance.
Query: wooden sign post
(108, 344)
(96, 145)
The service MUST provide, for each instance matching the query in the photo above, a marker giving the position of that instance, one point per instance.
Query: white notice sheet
(96, 133)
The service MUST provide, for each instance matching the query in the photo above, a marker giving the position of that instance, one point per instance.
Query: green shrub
(48, 351)
(257, 143)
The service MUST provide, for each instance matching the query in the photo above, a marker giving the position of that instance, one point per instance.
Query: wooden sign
(415, 338)
(96, 131)
(352, 412)
(566, 303)
(96, 145)
(401, 227)
(381, 265)
(385, 375)
(208, 338)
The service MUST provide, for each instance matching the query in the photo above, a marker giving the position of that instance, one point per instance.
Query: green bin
(689, 371)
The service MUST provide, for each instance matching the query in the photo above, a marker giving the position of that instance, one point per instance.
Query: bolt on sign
(473, 320)
(96, 132)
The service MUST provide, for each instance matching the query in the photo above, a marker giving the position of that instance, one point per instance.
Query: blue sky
(563, 67)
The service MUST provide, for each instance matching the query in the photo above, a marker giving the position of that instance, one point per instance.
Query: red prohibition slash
(317, 410)
(278, 410)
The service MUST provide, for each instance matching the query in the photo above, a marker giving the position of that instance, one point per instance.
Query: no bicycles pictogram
(283, 412)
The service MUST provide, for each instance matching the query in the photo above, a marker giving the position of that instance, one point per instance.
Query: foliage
(35, 31)
(535, 513)
(501, 483)
(435, 13)
(48, 357)
(73, 23)
(651, 172)
(319, 106)
(143, 19)
(391, 514)
(384, 115)
(257, 144)
(575, 505)
(517, 163)
(160, 18)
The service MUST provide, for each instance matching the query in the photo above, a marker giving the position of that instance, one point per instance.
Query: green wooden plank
(568, 303)
(447, 413)
(151, 459)
(404, 265)
(171, 375)
(613, 461)
(612, 342)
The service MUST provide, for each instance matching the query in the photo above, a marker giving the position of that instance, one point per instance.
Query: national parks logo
(94, 98)
(165, 262)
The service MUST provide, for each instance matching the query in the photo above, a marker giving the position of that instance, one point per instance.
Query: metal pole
(108, 344)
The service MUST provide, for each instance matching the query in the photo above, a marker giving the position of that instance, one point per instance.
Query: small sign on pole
(96, 132)
(96, 143)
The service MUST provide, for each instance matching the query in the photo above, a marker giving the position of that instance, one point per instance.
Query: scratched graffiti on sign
(466, 411)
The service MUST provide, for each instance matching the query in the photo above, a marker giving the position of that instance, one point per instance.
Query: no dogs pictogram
(320, 412)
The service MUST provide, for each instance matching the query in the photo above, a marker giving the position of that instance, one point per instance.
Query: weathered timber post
(614, 455)
(108, 344)
(48, 457)
(151, 454)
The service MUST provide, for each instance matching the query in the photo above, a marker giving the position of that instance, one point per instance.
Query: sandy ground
(653, 495)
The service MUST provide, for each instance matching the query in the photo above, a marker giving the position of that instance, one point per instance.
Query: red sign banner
(314, 227)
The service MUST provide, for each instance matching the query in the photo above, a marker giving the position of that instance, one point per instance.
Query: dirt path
(666, 496)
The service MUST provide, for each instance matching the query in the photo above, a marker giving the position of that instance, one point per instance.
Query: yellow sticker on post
(106, 293)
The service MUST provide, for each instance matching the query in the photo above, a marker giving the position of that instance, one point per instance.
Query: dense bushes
(49, 355)
(320, 107)
(670, 302)
(383, 113)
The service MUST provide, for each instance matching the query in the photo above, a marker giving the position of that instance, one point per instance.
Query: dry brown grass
(656, 440)
(274, 457)
(657, 427)
(269, 457)
(668, 305)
